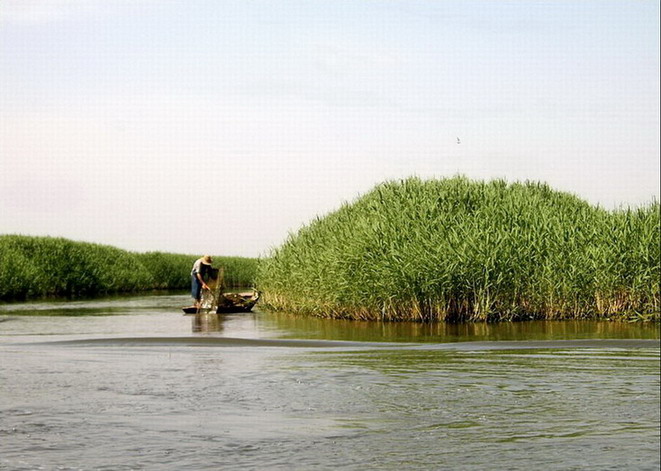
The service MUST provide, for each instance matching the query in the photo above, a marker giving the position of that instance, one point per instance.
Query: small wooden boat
(214, 300)
(237, 302)
(228, 303)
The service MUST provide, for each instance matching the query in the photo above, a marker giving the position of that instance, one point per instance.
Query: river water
(132, 384)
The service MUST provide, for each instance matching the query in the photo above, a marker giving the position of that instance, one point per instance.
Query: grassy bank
(32, 267)
(458, 250)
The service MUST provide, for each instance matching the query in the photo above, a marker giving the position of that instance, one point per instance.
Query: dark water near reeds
(131, 383)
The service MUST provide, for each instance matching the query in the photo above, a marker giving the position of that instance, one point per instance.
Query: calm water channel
(131, 383)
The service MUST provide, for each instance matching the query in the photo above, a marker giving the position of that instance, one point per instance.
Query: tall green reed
(456, 249)
(32, 267)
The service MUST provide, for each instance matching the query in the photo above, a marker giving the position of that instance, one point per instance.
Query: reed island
(459, 250)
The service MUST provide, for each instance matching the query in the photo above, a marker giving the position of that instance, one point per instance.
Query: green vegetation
(458, 250)
(32, 267)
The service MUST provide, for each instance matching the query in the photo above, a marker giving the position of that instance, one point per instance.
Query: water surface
(131, 383)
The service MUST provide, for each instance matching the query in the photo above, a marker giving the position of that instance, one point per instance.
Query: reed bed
(33, 267)
(460, 250)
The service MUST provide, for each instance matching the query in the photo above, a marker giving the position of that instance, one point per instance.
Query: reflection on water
(161, 314)
(206, 322)
(102, 306)
(293, 326)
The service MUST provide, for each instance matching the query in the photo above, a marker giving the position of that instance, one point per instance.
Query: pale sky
(221, 126)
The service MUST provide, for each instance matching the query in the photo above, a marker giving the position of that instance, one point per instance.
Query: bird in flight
(458, 141)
